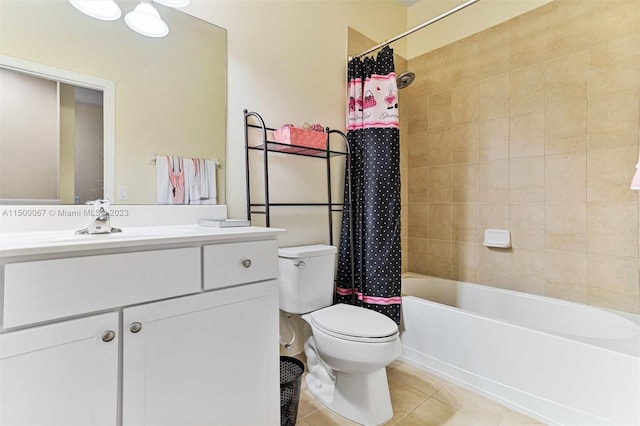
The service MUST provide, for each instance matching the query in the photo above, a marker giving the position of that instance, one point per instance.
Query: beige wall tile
(417, 255)
(464, 61)
(439, 258)
(527, 225)
(538, 126)
(415, 107)
(613, 121)
(465, 262)
(465, 103)
(614, 273)
(527, 90)
(567, 78)
(614, 67)
(612, 228)
(566, 275)
(566, 226)
(465, 143)
(404, 219)
(566, 127)
(566, 177)
(464, 220)
(494, 51)
(417, 185)
(439, 184)
(569, 27)
(418, 150)
(609, 173)
(526, 135)
(432, 71)
(526, 179)
(494, 97)
(464, 183)
(439, 221)
(529, 35)
(439, 105)
(493, 216)
(495, 268)
(439, 147)
(417, 219)
(613, 19)
(527, 271)
(493, 177)
(494, 139)
(404, 148)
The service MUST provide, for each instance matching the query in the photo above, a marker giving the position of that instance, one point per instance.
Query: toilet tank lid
(306, 251)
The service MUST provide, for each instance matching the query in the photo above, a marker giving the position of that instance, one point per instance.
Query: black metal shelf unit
(327, 154)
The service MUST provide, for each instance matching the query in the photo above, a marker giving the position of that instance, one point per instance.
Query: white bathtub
(557, 361)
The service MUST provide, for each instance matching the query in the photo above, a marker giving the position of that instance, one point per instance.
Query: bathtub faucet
(101, 224)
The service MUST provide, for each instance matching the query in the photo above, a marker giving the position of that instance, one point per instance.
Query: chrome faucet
(102, 222)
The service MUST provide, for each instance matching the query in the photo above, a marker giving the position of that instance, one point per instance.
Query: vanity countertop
(48, 242)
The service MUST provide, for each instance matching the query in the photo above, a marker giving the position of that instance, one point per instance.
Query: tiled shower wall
(530, 126)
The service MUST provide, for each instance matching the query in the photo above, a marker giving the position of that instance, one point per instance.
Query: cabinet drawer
(237, 263)
(49, 289)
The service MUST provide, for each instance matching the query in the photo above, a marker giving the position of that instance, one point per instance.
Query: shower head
(405, 79)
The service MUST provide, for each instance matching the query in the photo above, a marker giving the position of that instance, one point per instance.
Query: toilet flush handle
(300, 264)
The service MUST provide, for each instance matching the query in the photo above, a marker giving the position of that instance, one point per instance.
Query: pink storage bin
(301, 137)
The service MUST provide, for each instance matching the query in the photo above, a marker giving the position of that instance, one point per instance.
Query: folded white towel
(163, 186)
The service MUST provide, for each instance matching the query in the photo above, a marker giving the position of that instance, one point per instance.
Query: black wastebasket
(291, 371)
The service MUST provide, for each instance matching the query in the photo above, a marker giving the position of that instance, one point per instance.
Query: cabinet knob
(135, 327)
(108, 336)
(246, 263)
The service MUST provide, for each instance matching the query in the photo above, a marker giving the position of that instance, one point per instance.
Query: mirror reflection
(169, 99)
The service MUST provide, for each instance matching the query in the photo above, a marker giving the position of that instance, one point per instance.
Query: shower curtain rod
(419, 27)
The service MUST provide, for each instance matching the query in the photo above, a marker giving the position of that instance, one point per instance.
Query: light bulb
(146, 20)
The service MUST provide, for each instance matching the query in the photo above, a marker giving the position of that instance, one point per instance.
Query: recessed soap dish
(500, 238)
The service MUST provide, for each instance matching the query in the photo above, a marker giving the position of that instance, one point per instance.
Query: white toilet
(349, 347)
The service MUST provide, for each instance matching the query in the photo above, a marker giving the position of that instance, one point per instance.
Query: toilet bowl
(353, 358)
(349, 347)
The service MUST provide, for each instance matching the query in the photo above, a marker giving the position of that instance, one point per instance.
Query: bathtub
(556, 361)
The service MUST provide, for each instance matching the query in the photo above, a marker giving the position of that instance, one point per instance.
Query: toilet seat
(354, 323)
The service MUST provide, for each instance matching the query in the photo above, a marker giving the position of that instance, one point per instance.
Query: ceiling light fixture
(106, 10)
(146, 20)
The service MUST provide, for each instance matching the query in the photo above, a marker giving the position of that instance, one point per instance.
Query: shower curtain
(374, 140)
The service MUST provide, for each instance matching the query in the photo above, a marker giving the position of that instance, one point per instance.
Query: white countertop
(48, 242)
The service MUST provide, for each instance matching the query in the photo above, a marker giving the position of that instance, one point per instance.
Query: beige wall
(287, 61)
(531, 126)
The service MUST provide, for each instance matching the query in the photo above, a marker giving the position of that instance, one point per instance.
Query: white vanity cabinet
(62, 374)
(202, 359)
(193, 347)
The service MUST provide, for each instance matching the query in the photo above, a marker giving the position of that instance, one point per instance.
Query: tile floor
(420, 399)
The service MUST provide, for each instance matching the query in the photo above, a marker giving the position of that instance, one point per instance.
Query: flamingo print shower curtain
(374, 140)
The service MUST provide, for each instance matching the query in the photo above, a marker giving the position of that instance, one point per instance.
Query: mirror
(167, 95)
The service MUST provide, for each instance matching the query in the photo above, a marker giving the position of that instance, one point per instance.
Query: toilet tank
(306, 275)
